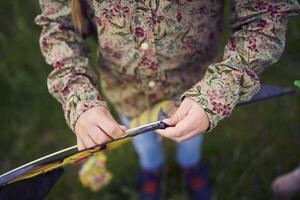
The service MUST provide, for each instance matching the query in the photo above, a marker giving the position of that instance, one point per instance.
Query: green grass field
(245, 152)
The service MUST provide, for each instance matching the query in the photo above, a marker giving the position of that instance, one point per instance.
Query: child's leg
(194, 172)
(189, 152)
(148, 148)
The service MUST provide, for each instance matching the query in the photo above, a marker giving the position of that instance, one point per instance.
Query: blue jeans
(150, 152)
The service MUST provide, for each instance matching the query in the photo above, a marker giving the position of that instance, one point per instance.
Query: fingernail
(169, 121)
(166, 120)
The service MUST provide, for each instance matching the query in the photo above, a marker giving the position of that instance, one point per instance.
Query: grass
(245, 152)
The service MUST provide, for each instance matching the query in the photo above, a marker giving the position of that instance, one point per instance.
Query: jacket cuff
(217, 93)
(78, 104)
(214, 111)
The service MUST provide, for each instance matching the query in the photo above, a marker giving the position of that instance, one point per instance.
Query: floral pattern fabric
(153, 50)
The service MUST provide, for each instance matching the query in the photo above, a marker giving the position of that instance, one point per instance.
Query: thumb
(172, 121)
(180, 113)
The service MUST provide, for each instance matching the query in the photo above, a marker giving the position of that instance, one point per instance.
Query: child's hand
(188, 121)
(96, 126)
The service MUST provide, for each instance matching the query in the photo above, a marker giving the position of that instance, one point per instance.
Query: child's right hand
(96, 126)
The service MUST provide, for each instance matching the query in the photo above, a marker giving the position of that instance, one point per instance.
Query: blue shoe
(197, 182)
(150, 184)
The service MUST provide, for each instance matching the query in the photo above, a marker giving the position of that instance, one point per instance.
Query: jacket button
(151, 84)
(144, 46)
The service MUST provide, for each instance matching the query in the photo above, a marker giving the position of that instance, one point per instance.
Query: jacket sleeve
(71, 81)
(257, 41)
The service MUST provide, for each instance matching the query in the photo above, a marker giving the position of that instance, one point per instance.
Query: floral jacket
(153, 50)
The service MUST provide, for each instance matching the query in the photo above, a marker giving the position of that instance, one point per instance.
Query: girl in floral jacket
(151, 51)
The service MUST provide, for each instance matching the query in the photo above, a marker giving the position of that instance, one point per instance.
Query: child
(151, 51)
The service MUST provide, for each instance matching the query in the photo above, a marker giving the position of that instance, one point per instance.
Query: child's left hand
(189, 120)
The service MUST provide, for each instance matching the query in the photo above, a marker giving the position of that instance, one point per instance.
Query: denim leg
(189, 152)
(148, 148)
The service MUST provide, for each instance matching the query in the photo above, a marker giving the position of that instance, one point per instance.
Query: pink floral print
(172, 43)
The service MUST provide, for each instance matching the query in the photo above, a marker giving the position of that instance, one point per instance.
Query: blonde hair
(77, 16)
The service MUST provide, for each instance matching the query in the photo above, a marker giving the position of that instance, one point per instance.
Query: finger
(180, 113)
(98, 135)
(182, 128)
(172, 121)
(80, 144)
(87, 140)
(160, 138)
(123, 128)
(187, 136)
(111, 128)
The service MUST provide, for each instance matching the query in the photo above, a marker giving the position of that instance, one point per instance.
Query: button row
(151, 84)
(144, 46)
